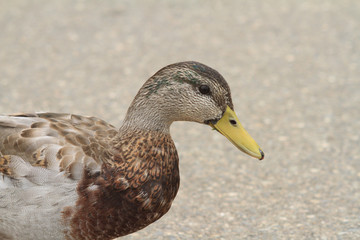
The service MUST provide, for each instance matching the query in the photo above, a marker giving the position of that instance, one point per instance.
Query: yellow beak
(230, 126)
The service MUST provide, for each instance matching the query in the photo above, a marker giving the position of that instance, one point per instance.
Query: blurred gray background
(293, 67)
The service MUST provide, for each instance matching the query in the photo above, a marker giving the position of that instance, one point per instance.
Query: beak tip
(262, 154)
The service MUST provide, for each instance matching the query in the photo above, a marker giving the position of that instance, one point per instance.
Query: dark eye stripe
(204, 89)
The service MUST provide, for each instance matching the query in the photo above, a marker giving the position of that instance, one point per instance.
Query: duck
(66, 176)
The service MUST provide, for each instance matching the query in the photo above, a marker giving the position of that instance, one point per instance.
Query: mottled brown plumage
(143, 179)
(66, 176)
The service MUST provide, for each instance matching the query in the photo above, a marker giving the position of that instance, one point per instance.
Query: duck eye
(204, 89)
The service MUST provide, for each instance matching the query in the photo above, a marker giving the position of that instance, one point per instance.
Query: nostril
(233, 122)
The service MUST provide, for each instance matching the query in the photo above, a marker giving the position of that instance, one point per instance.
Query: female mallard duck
(66, 176)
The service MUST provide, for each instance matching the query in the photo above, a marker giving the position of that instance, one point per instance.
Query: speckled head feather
(172, 94)
(206, 73)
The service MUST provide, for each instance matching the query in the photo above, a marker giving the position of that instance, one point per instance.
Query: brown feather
(136, 178)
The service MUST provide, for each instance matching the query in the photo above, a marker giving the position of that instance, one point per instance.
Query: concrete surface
(294, 70)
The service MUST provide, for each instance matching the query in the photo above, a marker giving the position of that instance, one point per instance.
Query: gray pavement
(294, 70)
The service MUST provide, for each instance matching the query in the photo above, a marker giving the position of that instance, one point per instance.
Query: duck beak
(230, 126)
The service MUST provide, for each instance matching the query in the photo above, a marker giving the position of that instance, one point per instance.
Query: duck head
(189, 91)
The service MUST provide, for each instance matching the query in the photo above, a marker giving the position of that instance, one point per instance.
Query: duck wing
(36, 148)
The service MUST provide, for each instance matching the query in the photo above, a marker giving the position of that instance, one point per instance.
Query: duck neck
(147, 116)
